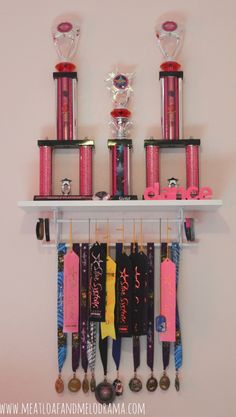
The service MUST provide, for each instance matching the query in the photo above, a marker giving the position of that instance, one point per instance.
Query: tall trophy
(65, 35)
(120, 145)
(170, 36)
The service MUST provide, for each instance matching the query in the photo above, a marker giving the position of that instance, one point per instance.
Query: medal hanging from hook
(84, 311)
(105, 391)
(92, 330)
(74, 384)
(178, 350)
(152, 383)
(61, 336)
(71, 306)
(116, 344)
(139, 262)
(166, 322)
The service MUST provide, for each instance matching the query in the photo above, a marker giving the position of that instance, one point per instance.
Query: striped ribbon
(61, 337)
(91, 345)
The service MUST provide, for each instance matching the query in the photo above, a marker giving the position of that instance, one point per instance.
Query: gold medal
(59, 385)
(152, 384)
(135, 384)
(85, 384)
(92, 383)
(164, 382)
(74, 384)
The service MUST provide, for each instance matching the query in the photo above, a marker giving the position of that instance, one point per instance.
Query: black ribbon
(140, 270)
(75, 336)
(98, 255)
(150, 305)
(165, 345)
(124, 289)
(136, 352)
(84, 303)
(116, 344)
(103, 349)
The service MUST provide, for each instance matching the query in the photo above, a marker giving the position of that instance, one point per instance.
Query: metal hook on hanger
(96, 231)
(71, 237)
(134, 235)
(122, 229)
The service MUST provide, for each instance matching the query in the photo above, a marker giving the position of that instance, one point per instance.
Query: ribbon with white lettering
(124, 279)
(97, 282)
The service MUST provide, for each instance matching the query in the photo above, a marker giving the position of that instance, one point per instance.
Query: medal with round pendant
(74, 384)
(116, 353)
(61, 337)
(135, 384)
(152, 383)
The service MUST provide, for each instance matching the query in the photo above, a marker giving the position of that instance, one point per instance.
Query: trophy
(65, 37)
(170, 35)
(120, 86)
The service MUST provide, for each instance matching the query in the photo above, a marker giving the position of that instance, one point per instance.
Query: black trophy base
(62, 197)
(124, 197)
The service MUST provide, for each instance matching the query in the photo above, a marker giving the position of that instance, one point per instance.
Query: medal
(74, 383)
(152, 383)
(178, 350)
(61, 337)
(104, 392)
(135, 384)
(84, 312)
(164, 382)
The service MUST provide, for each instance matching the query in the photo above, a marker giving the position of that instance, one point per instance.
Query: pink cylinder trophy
(120, 86)
(65, 37)
(45, 171)
(169, 35)
(85, 169)
(192, 166)
(152, 164)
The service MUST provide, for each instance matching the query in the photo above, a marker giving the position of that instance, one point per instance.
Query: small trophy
(65, 37)
(120, 86)
(170, 35)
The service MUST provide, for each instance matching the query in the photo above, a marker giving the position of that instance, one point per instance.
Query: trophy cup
(120, 86)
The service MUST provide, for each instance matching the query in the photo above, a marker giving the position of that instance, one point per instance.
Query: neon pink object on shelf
(168, 299)
(71, 293)
(85, 174)
(152, 165)
(192, 166)
(45, 171)
(66, 123)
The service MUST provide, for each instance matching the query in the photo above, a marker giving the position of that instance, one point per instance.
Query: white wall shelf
(95, 208)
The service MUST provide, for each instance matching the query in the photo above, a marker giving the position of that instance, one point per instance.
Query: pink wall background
(119, 33)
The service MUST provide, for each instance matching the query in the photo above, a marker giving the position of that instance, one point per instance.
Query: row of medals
(105, 392)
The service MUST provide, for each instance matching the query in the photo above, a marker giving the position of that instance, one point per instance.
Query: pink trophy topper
(170, 36)
(65, 38)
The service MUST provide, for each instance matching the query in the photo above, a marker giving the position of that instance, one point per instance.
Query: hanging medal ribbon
(91, 352)
(84, 311)
(61, 337)
(98, 282)
(74, 384)
(178, 350)
(116, 344)
(104, 392)
(140, 269)
(124, 279)
(135, 383)
(168, 299)
(164, 381)
(108, 327)
(152, 381)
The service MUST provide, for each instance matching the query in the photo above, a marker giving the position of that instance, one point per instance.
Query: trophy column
(120, 146)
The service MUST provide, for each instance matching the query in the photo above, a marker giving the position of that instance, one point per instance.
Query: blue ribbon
(61, 337)
(178, 349)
